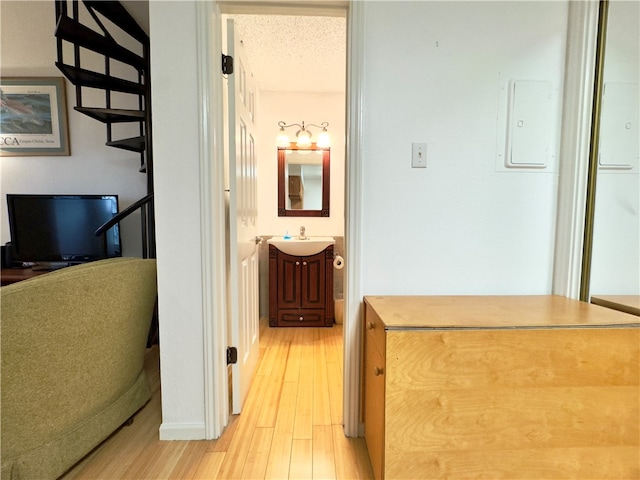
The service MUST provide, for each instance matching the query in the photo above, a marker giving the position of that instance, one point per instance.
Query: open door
(243, 241)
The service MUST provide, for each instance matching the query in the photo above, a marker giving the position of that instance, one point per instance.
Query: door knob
(377, 371)
(369, 325)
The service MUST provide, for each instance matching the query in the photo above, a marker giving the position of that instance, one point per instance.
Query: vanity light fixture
(303, 135)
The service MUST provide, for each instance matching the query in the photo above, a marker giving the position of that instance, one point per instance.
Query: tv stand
(14, 275)
(51, 266)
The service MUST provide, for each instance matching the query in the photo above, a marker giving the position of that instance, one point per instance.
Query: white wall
(178, 216)
(291, 107)
(28, 48)
(433, 73)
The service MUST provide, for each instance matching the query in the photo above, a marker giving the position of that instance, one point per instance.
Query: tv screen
(60, 228)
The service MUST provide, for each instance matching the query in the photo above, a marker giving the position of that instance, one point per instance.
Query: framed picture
(33, 117)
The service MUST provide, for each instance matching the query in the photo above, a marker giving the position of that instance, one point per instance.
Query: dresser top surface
(518, 311)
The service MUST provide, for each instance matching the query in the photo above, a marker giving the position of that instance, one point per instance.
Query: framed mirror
(303, 181)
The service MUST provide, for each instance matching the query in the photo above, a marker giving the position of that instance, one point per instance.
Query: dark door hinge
(227, 64)
(232, 355)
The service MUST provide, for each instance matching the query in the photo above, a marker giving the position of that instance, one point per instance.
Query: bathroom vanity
(300, 285)
(500, 387)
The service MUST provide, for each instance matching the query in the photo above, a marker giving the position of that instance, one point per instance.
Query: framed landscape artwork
(33, 117)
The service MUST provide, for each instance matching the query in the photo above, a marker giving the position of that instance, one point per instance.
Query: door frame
(210, 87)
(213, 228)
(574, 149)
(353, 309)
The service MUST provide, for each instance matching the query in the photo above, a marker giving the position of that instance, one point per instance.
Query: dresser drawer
(374, 330)
(374, 406)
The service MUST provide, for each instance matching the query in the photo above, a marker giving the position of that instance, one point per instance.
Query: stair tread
(79, 34)
(134, 144)
(112, 115)
(87, 78)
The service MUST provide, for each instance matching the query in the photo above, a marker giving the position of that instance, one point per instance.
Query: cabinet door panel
(313, 281)
(289, 268)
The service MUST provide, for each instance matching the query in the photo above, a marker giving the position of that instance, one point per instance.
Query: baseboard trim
(182, 431)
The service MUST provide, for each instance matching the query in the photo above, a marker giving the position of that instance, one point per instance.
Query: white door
(243, 248)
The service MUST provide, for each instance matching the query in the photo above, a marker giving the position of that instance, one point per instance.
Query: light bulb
(283, 139)
(324, 139)
(304, 139)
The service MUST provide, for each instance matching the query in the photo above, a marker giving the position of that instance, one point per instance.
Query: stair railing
(101, 41)
(144, 204)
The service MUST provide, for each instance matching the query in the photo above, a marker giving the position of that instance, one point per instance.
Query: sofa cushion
(73, 344)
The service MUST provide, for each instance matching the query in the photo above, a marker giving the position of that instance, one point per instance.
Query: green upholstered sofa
(73, 344)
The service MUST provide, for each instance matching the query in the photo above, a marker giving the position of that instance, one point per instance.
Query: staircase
(95, 35)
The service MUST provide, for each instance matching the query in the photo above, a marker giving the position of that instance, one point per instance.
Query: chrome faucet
(302, 234)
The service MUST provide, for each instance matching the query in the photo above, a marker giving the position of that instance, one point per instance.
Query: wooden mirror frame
(282, 210)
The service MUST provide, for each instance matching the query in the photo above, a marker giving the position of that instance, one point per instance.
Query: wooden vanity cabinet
(301, 289)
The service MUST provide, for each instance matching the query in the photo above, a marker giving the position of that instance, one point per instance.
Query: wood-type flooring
(290, 427)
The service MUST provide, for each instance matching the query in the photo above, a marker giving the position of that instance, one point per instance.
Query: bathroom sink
(306, 247)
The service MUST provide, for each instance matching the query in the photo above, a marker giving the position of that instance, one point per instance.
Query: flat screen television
(58, 230)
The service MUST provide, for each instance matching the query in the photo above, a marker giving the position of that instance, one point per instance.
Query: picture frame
(33, 117)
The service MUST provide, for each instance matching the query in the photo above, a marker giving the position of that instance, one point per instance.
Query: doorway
(293, 54)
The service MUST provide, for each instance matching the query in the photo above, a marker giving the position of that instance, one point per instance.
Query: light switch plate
(418, 155)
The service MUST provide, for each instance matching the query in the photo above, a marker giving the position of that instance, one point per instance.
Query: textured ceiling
(295, 53)
(300, 53)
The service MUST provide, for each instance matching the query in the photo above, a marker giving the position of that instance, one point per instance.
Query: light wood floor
(291, 426)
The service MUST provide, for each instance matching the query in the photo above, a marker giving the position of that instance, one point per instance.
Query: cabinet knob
(297, 263)
(301, 319)
(304, 263)
(370, 325)
(377, 371)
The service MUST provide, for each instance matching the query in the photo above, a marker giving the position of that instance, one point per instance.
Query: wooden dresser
(512, 387)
